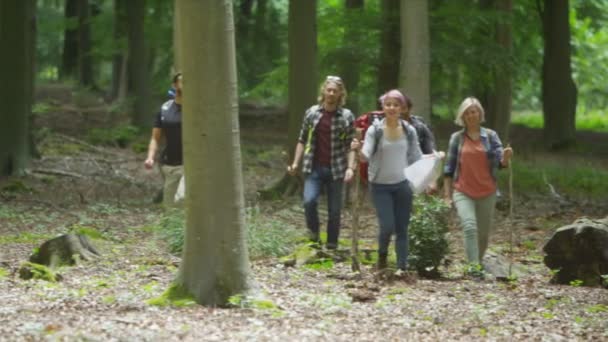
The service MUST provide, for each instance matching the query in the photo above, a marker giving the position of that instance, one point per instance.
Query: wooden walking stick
(510, 216)
(354, 246)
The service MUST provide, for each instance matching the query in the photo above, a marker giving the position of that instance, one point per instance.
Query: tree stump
(579, 251)
(64, 250)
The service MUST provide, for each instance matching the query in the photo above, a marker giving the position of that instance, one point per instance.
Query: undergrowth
(266, 237)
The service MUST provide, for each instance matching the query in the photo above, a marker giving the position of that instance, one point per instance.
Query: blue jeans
(321, 176)
(393, 204)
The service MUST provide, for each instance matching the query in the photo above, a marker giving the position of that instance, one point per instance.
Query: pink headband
(394, 94)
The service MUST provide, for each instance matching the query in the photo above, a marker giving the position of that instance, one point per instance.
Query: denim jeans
(476, 221)
(393, 204)
(321, 176)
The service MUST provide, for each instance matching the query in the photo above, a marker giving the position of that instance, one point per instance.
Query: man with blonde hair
(327, 160)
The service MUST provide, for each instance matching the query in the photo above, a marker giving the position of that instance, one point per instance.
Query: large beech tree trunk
(17, 31)
(215, 262)
(415, 71)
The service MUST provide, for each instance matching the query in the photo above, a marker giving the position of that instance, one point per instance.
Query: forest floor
(76, 184)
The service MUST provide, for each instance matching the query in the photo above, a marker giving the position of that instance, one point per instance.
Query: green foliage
(243, 301)
(320, 264)
(25, 237)
(597, 308)
(593, 120)
(171, 228)
(91, 232)
(37, 271)
(428, 231)
(176, 295)
(120, 136)
(576, 283)
(16, 186)
(3, 273)
(267, 237)
(532, 176)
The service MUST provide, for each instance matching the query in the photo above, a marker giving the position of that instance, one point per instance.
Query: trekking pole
(510, 221)
(354, 246)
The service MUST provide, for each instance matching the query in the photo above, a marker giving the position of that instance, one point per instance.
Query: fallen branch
(55, 172)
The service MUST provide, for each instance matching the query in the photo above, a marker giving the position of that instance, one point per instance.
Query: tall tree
(351, 53)
(69, 61)
(119, 61)
(85, 57)
(17, 30)
(139, 77)
(302, 82)
(177, 32)
(214, 262)
(499, 97)
(302, 64)
(415, 71)
(390, 47)
(558, 89)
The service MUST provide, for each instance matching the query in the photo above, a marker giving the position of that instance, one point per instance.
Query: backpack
(362, 123)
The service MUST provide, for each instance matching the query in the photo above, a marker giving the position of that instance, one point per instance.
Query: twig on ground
(55, 172)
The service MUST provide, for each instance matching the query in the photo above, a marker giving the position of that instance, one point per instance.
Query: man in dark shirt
(168, 126)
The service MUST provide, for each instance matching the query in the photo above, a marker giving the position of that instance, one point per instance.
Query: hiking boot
(382, 261)
(331, 246)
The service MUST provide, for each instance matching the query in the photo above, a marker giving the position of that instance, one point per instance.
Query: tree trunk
(558, 89)
(500, 106)
(302, 64)
(390, 47)
(302, 80)
(69, 59)
(351, 51)
(139, 83)
(85, 58)
(120, 31)
(177, 64)
(415, 71)
(17, 30)
(215, 261)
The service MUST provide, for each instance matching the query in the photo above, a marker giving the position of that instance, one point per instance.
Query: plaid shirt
(491, 144)
(342, 132)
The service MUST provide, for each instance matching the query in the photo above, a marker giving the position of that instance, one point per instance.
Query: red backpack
(362, 123)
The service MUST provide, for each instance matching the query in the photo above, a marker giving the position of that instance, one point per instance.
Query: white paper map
(423, 172)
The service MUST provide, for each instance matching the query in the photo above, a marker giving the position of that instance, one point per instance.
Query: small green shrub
(265, 237)
(428, 234)
(3, 273)
(171, 228)
(120, 136)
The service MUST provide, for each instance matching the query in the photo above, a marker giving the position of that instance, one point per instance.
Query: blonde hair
(466, 104)
(337, 81)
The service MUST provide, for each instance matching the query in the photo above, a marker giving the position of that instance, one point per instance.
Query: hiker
(425, 135)
(475, 153)
(168, 126)
(327, 160)
(390, 145)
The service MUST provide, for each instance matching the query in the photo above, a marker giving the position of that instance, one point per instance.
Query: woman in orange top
(475, 154)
